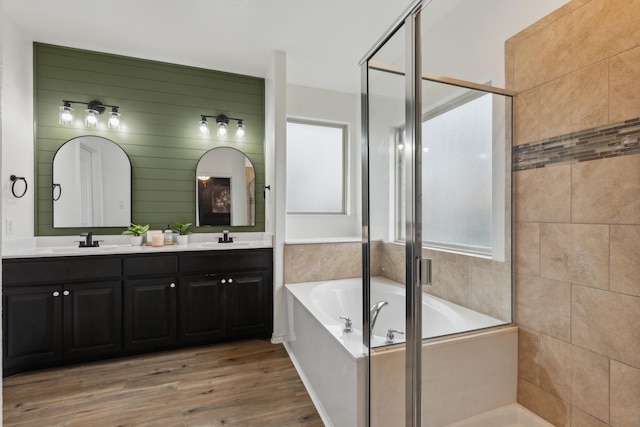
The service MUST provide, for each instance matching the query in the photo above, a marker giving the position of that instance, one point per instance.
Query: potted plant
(137, 232)
(183, 231)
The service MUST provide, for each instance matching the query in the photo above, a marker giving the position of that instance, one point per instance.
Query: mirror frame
(197, 211)
(54, 185)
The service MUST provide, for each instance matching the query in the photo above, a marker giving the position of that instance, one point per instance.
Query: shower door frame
(413, 241)
(411, 21)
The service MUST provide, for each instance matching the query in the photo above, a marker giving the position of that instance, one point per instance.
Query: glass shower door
(436, 229)
(385, 304)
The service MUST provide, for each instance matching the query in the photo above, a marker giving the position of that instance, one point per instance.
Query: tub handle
(391, 336)
(348, 325)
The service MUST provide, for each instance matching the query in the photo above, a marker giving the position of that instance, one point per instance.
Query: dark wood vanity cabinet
(50, 317)
(249, 304)
(92, 319)
(202, 309)
(69, 309)
(237, 286)
(32, 320)
(150, 302)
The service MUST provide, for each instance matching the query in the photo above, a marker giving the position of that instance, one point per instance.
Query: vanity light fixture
(204, 179)
(91, 119)
(204, 126)
(94, 109)
(240, 130)
(222, 121)
(66, 113)
(114, 119)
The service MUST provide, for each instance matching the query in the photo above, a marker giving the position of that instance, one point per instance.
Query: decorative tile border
(618, 139)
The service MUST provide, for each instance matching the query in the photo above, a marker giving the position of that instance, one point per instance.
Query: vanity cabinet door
(32, 320)
(92, 319)
(249, 304)
(202, 308)
(150, 313)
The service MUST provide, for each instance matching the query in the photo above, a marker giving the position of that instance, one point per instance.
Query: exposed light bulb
(240, 130)
(222, 130)
(66, 114)
(91, 120)
(204, 127)
(114, 119)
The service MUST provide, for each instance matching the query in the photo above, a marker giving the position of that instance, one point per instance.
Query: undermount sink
(225, 245)
(74, 249)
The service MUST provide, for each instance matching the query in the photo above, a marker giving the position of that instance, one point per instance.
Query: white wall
(468, 42)
(2, 26)
(17, 129)
(340, 108)
(275, 177)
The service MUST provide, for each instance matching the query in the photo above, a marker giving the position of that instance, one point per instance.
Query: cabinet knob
(173, 285)
(230, 280)
(65, 293)
(223, 281)
(56, 294)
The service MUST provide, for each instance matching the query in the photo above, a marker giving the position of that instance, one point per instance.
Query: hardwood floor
(247, 383)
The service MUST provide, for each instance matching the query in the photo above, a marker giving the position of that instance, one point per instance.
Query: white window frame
(497, 250)
(345, 162)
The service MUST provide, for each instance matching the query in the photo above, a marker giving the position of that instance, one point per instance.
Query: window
(457, 183)
(315, 168)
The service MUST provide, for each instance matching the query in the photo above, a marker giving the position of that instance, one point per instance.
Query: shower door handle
(424, 271)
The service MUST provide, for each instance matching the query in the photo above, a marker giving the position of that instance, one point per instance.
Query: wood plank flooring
(247, 383)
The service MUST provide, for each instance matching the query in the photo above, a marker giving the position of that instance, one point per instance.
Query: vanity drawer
(60, 270)
(226, 261)
(150, 265)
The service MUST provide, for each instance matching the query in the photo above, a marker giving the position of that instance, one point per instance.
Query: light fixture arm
(222, 120)
(94, 109)
(94, 105)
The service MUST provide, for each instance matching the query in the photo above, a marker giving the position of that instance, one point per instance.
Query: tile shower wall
(479, 284)
(327, 261)
(577, 250)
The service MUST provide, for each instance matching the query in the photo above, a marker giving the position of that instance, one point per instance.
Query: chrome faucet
(373, 314)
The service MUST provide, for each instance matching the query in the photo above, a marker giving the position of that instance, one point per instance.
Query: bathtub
(332, 299)
(463, 375)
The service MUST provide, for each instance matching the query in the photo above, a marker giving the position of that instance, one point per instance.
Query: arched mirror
(91, 184)
(225, 189)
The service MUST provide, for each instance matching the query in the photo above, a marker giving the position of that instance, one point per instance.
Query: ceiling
(324, 41)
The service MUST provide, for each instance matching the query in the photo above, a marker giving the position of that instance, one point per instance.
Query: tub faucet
(373, 313)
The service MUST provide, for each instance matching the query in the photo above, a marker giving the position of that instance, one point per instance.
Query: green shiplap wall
(161, 106)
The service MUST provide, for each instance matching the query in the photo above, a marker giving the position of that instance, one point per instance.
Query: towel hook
(53, 192)
(15, 179)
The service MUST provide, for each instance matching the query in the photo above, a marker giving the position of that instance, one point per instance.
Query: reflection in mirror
(92, 184)
(225, 188)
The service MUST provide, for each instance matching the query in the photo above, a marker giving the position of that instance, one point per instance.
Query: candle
(157, 239)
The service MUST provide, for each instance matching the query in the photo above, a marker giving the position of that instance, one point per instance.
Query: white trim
(314, 398)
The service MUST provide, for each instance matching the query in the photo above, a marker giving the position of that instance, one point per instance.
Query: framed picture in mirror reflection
(214, 200)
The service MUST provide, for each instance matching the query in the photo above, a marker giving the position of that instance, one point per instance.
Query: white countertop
(68, 245)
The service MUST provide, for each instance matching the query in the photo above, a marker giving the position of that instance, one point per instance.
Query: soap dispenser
(168, 235)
